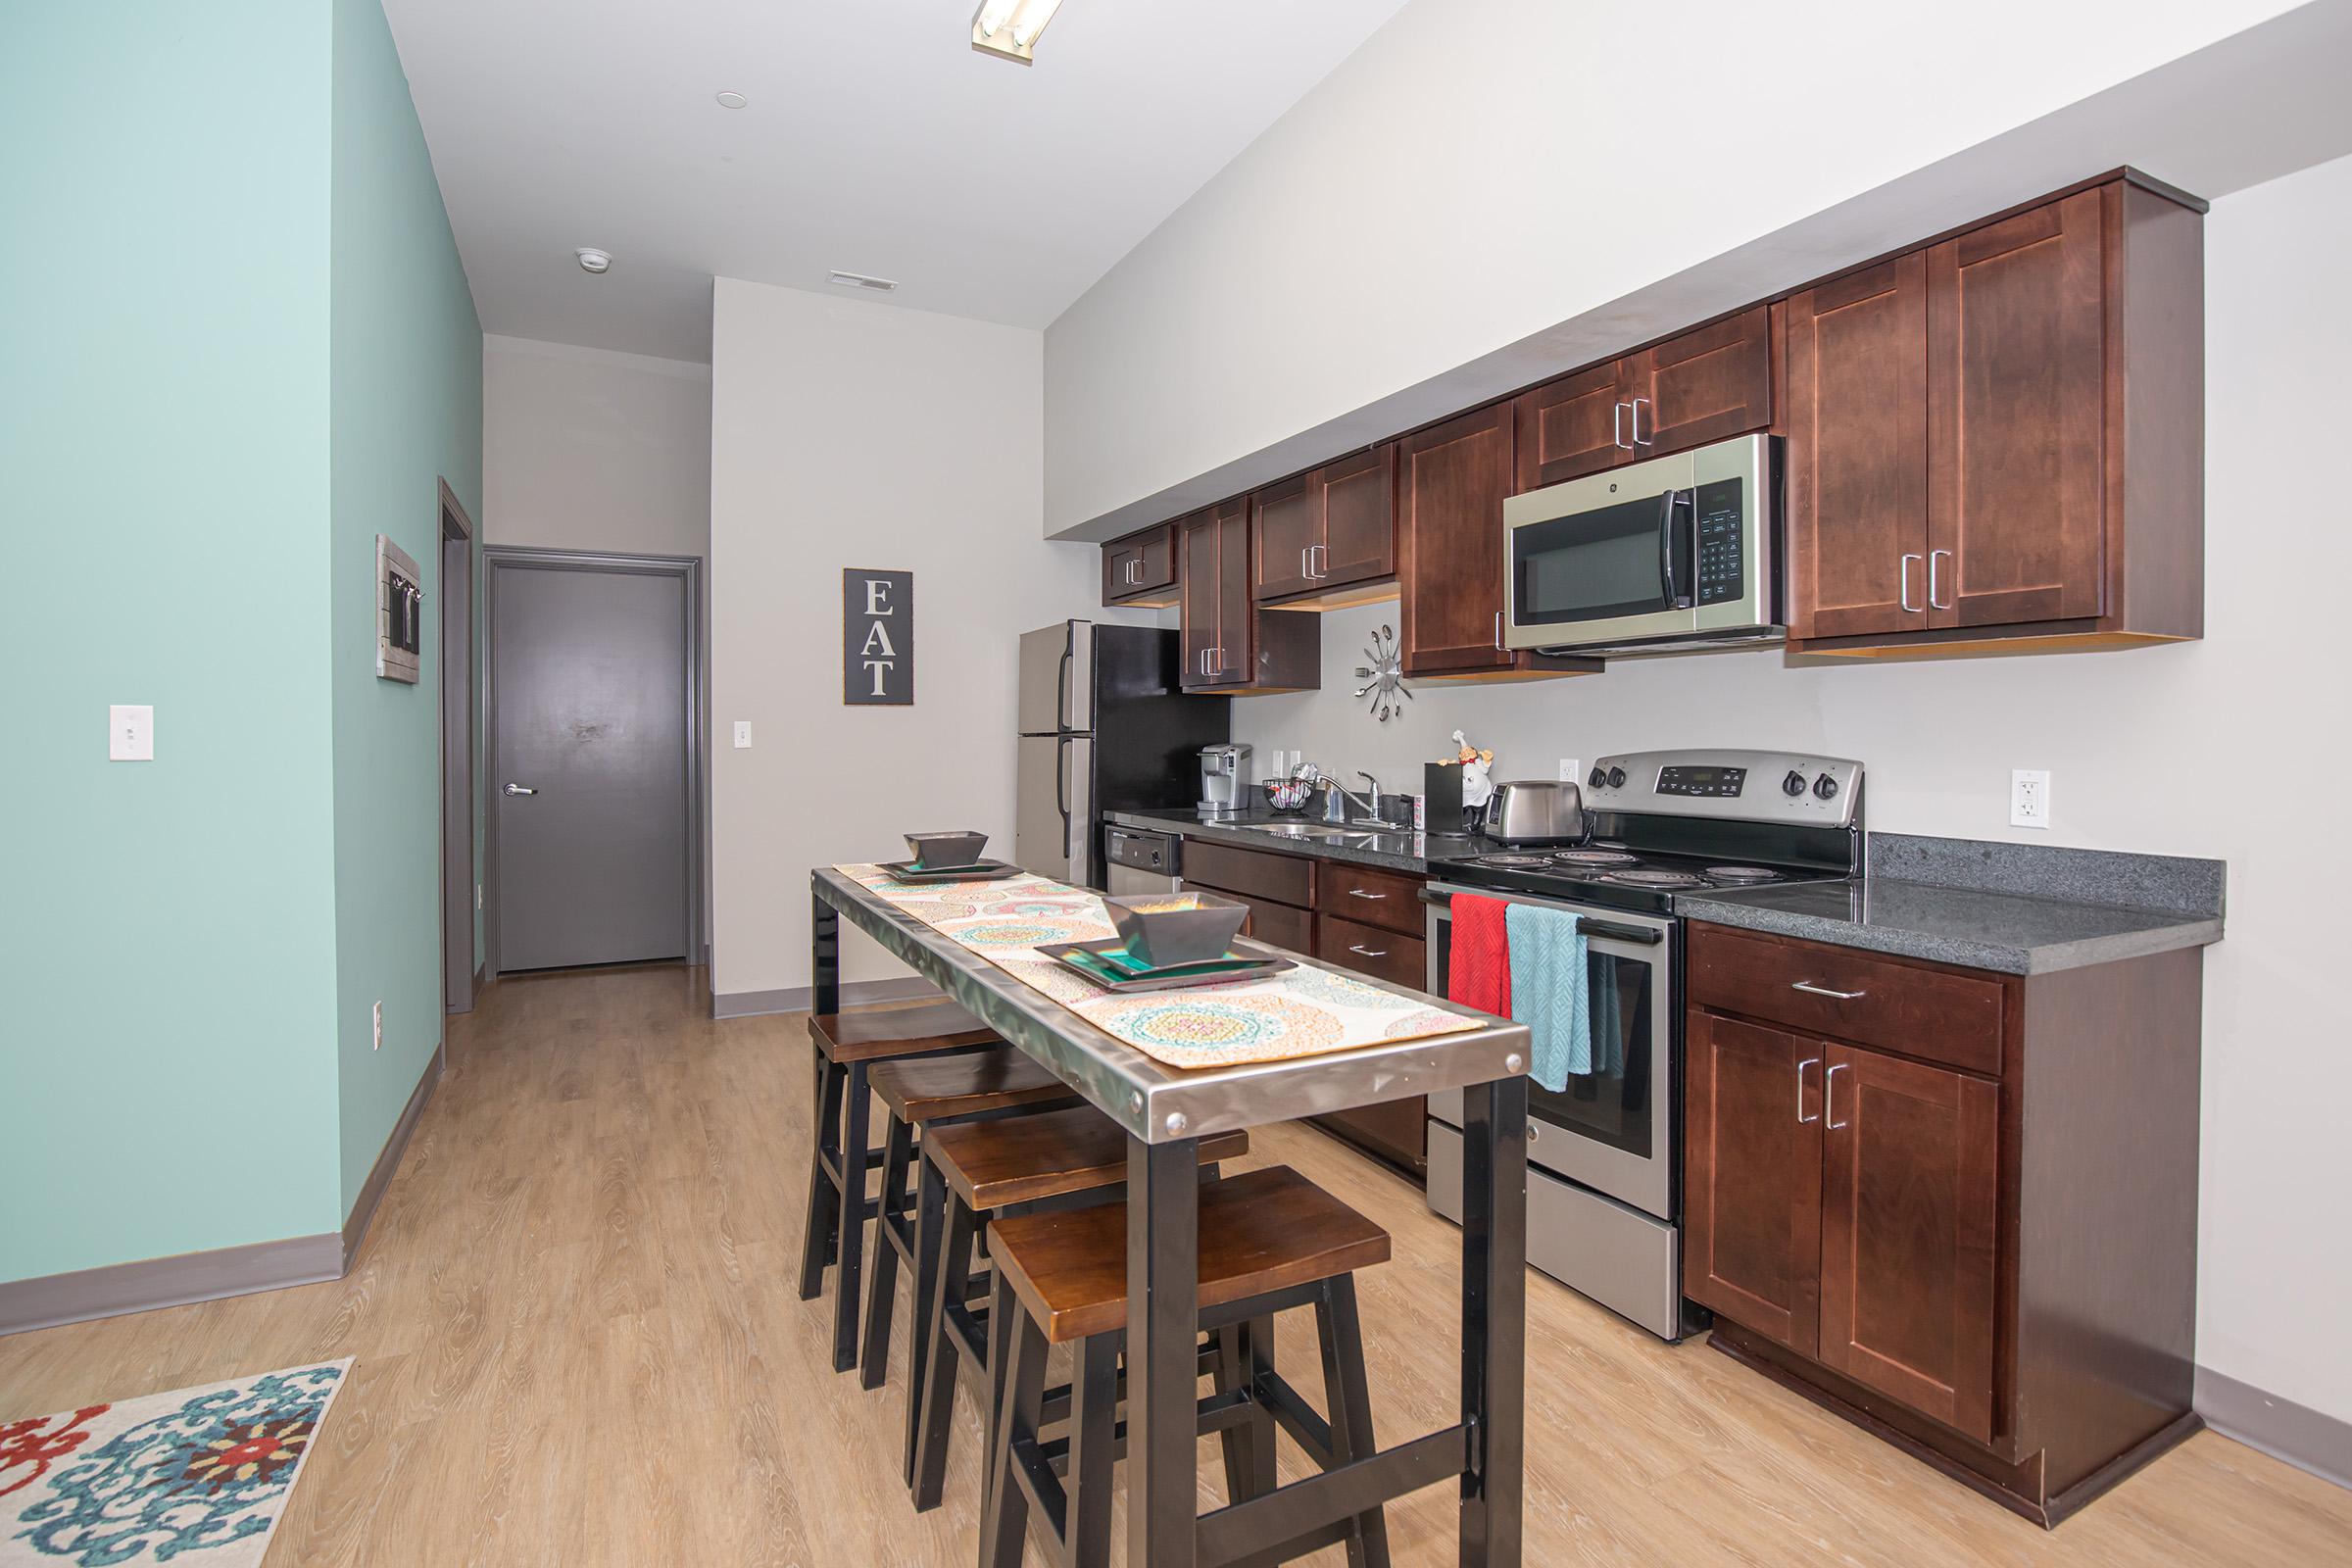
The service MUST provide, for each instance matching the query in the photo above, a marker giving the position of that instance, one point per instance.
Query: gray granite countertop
(2012, 933)
(1259, 830)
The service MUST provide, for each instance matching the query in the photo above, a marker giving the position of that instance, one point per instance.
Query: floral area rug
(198, 1476)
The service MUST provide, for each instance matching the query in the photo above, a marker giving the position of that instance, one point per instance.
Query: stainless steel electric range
(1604, 1168)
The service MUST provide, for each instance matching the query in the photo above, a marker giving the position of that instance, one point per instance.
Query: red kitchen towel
(1478, 963)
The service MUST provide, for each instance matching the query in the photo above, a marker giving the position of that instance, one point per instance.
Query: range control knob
(1794, 784)
(1596, 778)
(1616, 778)
(1826, 787)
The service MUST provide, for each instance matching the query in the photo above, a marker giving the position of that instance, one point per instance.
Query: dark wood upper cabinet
(1451, 480)
(1751, 1182)
(1573, 426)
(1202, 540)
(1910, 1206)
(2032, 474)
(1855, 409)
(1140, 568)
(1327, 532)
(1228, 645)
(1705, 385)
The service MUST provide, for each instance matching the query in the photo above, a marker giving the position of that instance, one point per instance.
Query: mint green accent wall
(407, 409)
(166, 936)
(235, 344)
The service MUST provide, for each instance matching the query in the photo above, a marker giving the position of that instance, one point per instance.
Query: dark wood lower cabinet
(1975, 1238)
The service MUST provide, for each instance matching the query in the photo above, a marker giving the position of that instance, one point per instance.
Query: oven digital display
(1722, 782)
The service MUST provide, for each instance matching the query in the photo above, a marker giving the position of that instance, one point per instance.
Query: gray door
(589, 764)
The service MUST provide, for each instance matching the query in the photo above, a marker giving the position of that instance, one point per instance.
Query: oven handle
(1640, 935)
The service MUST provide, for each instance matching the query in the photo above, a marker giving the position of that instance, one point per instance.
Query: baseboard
(2307, 1438)
(150, 1283)
(387, 1159)
(795, 999)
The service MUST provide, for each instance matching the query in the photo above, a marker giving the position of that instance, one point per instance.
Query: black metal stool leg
(1258, 1362)
(1003, 1525)
(930, 1235)
(856, 1132)
(818, 1236)
(1236, 1444)
(1093, 1430)
(938, 1377)
(882, 1294)
(1350, 1399)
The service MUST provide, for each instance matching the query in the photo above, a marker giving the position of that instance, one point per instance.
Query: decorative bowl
(935, 851)
(1286, 794)
(1167, 929)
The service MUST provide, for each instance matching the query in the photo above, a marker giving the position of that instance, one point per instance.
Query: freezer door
(1056, 679)
(1040, 839)
(1078, 789)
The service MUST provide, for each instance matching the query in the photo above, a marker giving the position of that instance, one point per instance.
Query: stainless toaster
(1536, 811)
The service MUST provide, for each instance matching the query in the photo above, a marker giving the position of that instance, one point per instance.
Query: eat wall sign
(877, 638)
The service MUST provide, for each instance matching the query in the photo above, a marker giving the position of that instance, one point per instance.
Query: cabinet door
(1359, 518)
(1576, 425)
(1289, 528)
(1154, 559)
(1233, 661)
(1707, 385)
(2016, 411)
(1368, 950)
(1751, 1177)
(1118, 571)
(1198, 536)
(1857, 421)
(1450, 483)
(1910, 1195)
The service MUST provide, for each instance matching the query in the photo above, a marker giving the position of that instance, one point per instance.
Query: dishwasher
(1141, 861)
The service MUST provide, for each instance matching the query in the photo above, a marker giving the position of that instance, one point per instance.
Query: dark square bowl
(936, 851)
(1167, 929)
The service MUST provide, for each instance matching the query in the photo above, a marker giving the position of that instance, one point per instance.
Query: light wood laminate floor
(578, 1342)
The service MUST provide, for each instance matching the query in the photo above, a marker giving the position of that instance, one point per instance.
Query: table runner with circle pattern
(1303, 1012)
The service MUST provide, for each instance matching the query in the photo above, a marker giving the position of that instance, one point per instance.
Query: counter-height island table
(1164, 1110)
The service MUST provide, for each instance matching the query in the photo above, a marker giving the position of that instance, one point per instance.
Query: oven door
(1611, 1130)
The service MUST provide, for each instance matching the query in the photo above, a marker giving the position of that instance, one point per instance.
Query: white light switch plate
(131, 733)
(743, 734)
(2029, 798)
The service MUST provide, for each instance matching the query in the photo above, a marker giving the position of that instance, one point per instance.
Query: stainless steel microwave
(1676, 551)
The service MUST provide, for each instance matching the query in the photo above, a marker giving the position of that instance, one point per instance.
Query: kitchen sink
(1310, 830)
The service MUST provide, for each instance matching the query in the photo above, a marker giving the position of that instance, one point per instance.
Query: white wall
(585, 449)
(849, 433)
(1464, 205)
(2176, 751)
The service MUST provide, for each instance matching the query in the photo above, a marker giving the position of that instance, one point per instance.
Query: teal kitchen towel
(1548, 991)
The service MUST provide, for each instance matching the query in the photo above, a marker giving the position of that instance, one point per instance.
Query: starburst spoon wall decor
(1384, 676)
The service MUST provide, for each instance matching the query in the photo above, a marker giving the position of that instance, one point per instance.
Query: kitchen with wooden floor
(1398, 782)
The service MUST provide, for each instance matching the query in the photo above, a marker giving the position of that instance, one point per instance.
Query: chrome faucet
(1336, 795)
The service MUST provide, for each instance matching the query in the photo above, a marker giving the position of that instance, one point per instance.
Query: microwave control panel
(1722, 542)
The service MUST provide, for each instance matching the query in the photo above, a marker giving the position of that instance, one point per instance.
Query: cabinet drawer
(1368, 950)
(1933, 1015)
(1374, 896)
(1270, 922)
(1283, 879)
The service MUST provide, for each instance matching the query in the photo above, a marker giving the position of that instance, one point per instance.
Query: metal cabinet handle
(1809, 1061)
(1359, 893)
(1617, 428)
(1304, 569)
(1369, 953)
(1935, 599)
(1318, 562)
(1828, 1095)
(520, 789)
(1654, 424)
(1908, 605)
(1499, 631)
(1810, 989)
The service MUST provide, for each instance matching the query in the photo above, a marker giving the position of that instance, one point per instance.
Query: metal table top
(1157, 1102)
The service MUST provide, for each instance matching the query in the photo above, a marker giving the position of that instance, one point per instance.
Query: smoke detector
(592, 259)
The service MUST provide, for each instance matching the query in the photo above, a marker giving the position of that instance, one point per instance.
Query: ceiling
(875, 140)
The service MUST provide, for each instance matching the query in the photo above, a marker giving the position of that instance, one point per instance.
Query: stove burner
(1514, 860)
(1741, 874)
(1595, 857)
(1654, 879)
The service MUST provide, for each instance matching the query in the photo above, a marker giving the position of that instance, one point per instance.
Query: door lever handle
(520, 789)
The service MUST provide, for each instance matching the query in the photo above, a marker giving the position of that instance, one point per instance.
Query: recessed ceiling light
(880, 285)
(732, 100)
(592, 259)
(1009, 29)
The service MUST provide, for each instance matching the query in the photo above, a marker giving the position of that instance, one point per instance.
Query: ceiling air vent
(880, 285)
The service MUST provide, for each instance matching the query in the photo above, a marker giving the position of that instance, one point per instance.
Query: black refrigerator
(1104, 726)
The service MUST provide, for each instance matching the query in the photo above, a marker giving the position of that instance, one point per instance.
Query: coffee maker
(1224, 776)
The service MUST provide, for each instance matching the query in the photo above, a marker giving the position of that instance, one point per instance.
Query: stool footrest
(1271, 1529)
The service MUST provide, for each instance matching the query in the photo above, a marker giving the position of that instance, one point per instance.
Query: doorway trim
(460, 873)
(689, 571)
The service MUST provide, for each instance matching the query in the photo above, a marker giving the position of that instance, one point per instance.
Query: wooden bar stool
(1270, 1239)
(923, 1094)
(847, 1044)
(971, 1173)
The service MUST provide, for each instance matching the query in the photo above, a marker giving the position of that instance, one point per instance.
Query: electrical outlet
(1572, 769)
(2029, 798)
(130, 732)
(379, 1027)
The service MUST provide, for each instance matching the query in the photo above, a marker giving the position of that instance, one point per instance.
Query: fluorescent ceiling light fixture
(880, 285)
(1009, 29)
